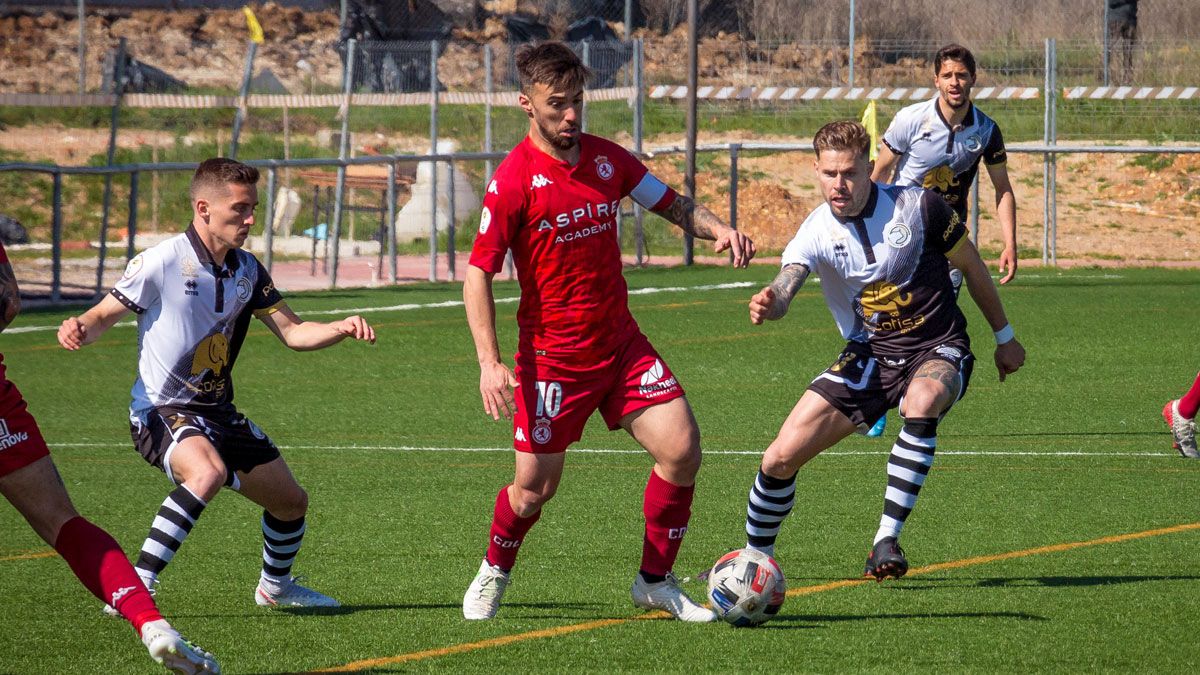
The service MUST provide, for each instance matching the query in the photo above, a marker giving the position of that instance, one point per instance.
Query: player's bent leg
(667, 431)
(812, 426)
(273, 487)
(37, 492)
(518, 506)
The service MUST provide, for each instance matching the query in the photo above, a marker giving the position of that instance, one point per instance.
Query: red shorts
(21, 442)
(555, 398)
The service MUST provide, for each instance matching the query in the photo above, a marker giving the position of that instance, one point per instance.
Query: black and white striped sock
(771, 500)
(175, 519)
(908, 465)
(281, 541)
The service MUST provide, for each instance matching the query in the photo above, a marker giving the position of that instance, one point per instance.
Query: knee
(526, 501)
(925, 402)
(206, 481)
(776, 465)
(293, 505)
(681, 461)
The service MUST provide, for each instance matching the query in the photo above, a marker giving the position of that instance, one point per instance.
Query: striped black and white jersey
(885, 272)
(939, 157)
(192, 318)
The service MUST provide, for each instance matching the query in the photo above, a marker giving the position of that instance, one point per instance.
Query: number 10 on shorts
(550, 395)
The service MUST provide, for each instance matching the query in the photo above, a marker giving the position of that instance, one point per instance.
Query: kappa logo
(120, 593)
(540, 181)
(520, 435)
(493, 188)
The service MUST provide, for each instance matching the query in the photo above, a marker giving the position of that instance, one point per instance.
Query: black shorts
(240, 443)
(864, 387)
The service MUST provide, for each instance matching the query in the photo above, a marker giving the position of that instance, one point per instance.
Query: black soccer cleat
(886, 560)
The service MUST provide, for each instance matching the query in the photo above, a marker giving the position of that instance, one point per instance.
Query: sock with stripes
(101, 565)
(175, 519)
(281, 542)
(908, 465)
(1189, 403)
(667, 508)
(771, 500)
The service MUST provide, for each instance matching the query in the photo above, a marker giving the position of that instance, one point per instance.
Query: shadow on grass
(509, 609)
(936, 583)
(799, 621)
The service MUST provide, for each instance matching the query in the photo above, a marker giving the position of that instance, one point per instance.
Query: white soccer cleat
(167, 647)
(670, 598)
(290, 594)
(483, 595)
(1183, 430)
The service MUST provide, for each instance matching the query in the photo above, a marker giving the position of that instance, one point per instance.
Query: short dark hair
(842, 135)
(550, 63)
(954, 52)
(219, 172)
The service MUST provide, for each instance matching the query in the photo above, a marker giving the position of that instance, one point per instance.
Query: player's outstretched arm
(772, 302)
(307, 336)
(704, 224)
(10, 296)
(1006, 209)
(1010, 355)
(77, 331)
(496, 381)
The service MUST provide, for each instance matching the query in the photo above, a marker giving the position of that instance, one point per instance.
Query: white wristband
(1004, 334)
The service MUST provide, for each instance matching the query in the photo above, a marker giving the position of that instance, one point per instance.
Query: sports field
(1058, 531)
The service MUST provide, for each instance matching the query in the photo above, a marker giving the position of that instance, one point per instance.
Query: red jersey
(560, 222)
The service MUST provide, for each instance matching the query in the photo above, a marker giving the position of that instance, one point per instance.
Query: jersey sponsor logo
(541, 431)
(244, 290)
(652, 383)
(133, 268)
(954, 221)
(211, 354)
(604, 168)
(8, 438)
(881, 306)
(493, 187)
(268, 290)
(897, 235)
(940, 179)
(485, 219)
(539, 181)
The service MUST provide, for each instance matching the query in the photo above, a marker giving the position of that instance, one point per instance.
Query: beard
(552, 137)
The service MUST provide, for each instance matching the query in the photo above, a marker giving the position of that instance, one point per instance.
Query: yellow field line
(29, 556)
(804, 590)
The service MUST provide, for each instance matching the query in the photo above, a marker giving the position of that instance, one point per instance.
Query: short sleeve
(801, 250)
(898, 135)
(944, 230)
(503, 209)
(994, 153)
(266, 299)
(141, 284)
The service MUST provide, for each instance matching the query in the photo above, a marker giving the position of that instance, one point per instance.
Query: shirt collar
(206, 257)
(968, 121)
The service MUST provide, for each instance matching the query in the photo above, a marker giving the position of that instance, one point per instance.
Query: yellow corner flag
(256, 32)
(871, 122)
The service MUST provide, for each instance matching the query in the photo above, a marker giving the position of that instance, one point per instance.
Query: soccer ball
(746, 587)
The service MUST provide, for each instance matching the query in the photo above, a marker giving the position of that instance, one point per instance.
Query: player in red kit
(29, 480)
(553, 202)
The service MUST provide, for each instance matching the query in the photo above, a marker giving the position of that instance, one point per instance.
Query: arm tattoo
(692, 218)
(10, 296)
(786, 285)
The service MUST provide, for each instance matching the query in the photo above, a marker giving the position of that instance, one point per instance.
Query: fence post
(851, 79)
(242, 111)
(1054, 156)
(433, 165)
(1048, 104)
(118, 92)
(82, 14)
(586, 57)
(1104, 34)
(450, 224)
(734, 149)
(391, 222)
(487, 111)
(343, 150)
(639, 108)
(56, 241)
(689, 178)
(131, 222)
(269, 225)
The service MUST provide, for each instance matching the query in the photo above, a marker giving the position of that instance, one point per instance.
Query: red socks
(667, 508)
(508, 530)
(101, 565)
(1190, 402)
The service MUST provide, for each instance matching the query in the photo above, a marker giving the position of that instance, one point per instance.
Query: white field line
(503, 301)
(610, 451)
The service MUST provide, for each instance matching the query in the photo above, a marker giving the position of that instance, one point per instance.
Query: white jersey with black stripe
(192, 319)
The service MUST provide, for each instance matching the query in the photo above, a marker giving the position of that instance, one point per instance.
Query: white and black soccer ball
(746, 587)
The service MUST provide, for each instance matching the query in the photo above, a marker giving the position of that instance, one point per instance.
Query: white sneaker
(290, 594)
(483, 595)
(669, 597)
(112, 611)
(1183, 430)
(167, 647)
